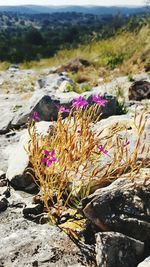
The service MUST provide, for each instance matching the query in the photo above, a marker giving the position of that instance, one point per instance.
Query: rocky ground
(27, 238)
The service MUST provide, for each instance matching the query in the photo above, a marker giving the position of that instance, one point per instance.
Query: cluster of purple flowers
(80, 102)
(35, 116)
(99, 100)
(49, 158)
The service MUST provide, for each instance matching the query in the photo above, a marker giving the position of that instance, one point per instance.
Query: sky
(72, 2)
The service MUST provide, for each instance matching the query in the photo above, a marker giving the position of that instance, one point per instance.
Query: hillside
(97, 10)
(125, 54)
(27, 37)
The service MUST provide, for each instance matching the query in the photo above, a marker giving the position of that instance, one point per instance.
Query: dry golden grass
(79, 169)
(74, 143)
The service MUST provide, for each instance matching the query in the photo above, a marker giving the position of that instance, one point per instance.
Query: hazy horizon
(73, 2)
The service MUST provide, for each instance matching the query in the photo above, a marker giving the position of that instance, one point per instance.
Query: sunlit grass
(127, 52)
(4, 65)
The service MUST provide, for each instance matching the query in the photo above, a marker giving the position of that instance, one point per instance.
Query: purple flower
(35, 116)
(126, 143)
(49, 158)
(99, 100)
(103, 150)
(79, 102)
(64, 110)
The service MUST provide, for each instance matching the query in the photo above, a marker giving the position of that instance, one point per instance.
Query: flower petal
(53, 153)
(49, 163)
(54, 159)
(46, 152)
(43, 160)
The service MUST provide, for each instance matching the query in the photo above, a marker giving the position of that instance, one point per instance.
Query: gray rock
(33, 212)
(117, 250)
(45, 104)
(18, 161)
(47, 108)
(139, 90)
(110, 108)
(6, 147)
(6, 115)
(4, 128)
(3, 203)
(145, 263)
(123, 206)
(4, 190)
(17, 164)
(52, 82)
(19, 199)
(2, 174)
(14, 68)
(9, 103)
(3, 182)
(25, 243)
(127, 129)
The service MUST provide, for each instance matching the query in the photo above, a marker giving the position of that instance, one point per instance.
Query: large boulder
(45, 104)
(117, 250)
(123, 206)
(139, 90)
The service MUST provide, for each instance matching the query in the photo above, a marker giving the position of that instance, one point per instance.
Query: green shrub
(115, 60)
(75, 87)
(130, 78)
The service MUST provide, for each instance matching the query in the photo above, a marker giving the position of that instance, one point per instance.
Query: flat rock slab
(39, 245)
(24, 243)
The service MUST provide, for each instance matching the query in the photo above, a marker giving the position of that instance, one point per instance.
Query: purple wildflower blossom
(35, 116)
(64, 110)
(103, 150)
(126, 143)
(49, 158)
(99, 100)
(79, 102)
